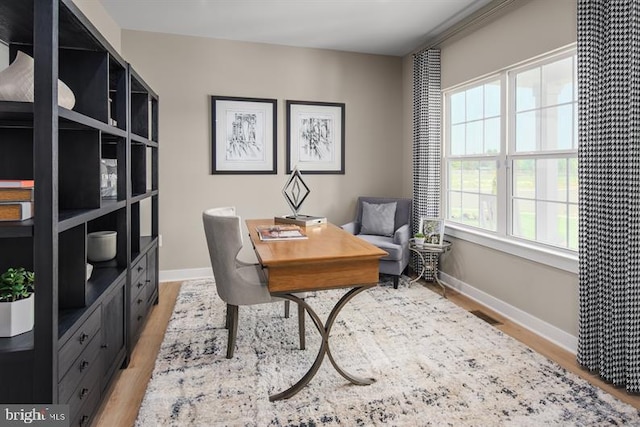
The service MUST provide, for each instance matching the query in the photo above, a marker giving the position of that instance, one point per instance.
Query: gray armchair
(387, 228)
(238, 283)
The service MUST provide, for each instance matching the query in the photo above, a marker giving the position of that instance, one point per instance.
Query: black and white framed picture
(243, 135)
(315, 137)
(433, 230)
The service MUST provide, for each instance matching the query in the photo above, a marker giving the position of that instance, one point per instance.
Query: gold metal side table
(435, 251)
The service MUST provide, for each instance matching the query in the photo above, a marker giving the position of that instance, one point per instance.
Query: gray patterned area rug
(435, 365)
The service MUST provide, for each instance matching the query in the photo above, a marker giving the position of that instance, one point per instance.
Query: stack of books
(16, 199)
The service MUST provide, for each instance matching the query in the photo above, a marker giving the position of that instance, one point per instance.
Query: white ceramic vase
(16, 317)
(16, 83)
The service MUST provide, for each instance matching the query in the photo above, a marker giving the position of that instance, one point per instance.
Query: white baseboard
(187, 274)
(535, 325)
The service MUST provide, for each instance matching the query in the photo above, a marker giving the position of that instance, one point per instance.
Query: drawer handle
(83, 393)
(84, 365)
(139, 301)
(83, 338)
(140, 268)
(84, 420)
(139, 318)
(140, 284)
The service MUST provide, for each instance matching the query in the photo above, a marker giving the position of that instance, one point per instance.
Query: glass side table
(423, 250)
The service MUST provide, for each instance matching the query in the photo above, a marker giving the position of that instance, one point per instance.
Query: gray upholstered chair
(238, 283)
(386, 226)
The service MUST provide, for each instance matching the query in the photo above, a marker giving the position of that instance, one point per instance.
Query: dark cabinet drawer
(85, 400)
(70, 350)
(137, 287)
(139, 268)
(138, 313)
(138, 278)
(88, 360)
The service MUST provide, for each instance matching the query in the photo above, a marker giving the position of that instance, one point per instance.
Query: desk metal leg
(324, 330)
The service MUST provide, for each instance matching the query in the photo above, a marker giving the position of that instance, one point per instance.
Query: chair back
(403, 209)
(224, 239)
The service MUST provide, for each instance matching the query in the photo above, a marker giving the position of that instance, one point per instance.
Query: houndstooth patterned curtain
(427, 122)
(609, 176)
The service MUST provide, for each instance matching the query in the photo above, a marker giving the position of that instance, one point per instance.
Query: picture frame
(433, 230)
(315, 137)
(243, 135)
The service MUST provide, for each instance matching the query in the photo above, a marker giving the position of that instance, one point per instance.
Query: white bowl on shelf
(101, 245)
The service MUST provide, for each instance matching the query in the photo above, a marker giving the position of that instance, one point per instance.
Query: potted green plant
(418, 239)
(16, 301)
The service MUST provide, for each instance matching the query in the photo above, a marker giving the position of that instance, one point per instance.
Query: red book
(12, 183)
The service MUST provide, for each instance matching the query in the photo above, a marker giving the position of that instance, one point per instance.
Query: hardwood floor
(120, 407)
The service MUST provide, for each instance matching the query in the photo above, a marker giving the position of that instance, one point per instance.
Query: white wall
(527, 30)
(186, 71)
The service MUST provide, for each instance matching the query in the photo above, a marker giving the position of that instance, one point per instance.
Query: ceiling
(385, 27)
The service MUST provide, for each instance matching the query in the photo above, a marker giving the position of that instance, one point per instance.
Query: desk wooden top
(329, 258)
(325, 242)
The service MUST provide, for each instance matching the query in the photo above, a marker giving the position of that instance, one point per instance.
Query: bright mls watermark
(34, 415)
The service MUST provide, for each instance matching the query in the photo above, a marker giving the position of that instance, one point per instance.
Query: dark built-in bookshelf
(84, 328)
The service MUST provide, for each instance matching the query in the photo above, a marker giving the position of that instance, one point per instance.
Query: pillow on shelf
(378, 218)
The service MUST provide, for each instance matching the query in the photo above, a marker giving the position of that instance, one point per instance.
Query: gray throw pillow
(378, 219)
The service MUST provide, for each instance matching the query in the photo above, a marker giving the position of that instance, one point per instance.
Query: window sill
(547, 256)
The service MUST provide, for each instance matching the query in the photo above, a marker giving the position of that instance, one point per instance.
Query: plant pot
(101, 245)
(418, 241)
(16, 317)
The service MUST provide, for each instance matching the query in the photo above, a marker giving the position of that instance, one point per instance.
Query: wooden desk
(330, 258)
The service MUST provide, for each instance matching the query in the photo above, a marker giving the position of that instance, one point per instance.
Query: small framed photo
(243, 135)
(433, 230)
(315, 137)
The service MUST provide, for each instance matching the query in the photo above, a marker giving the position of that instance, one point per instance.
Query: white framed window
(510, 155)
(473, 154)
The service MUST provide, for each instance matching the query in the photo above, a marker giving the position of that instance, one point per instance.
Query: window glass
(492, 136)
(557, 82)
(457, 103)
(527, 131)
(492, 99)
(455, 176)
(458, 139)
(528, 90)
(474, 103)
(512, 166)
(524, 219)
(524, 178)
(557, 124)
(475, 136)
